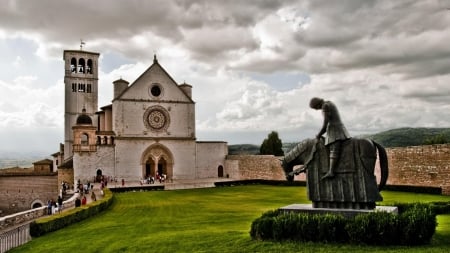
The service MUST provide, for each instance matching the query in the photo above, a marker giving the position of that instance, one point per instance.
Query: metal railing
(14, 237)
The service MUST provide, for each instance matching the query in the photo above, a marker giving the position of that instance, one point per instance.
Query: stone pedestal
(349, 213)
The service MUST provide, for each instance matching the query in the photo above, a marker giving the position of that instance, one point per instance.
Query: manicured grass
(205, 220)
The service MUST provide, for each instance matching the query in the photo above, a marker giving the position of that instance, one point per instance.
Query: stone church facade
(148, 129)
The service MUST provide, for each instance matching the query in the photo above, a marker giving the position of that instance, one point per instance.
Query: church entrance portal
(157, 160)
(152, 170)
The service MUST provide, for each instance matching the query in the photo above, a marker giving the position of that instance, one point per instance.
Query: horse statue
(354, 185)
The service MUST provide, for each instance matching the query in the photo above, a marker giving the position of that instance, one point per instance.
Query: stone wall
(66, 175)
(242, 167)
(427, 165)
(21, 192)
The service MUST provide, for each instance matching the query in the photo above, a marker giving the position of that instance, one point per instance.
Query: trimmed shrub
(418, 225)
(262, 228)
(52, 223)
(299, 227)
(378, 228)
(415, 226)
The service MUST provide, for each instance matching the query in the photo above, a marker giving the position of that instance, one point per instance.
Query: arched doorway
(157, 159)
(99, 175)
(36, 204)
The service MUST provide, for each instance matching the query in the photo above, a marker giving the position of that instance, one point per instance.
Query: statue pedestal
(348, 213)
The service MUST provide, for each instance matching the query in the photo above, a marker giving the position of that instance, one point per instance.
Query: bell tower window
(89, 67)
(81, 65)
(84, 139)
(73, 65)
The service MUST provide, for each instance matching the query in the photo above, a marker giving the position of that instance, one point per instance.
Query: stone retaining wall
(427, 165)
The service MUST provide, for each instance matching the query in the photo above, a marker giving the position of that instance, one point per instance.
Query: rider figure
(335, 129)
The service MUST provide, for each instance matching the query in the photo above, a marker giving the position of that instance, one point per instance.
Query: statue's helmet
(316, 103)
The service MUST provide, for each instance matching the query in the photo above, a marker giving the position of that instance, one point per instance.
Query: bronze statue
(349, 183)
(335, 129)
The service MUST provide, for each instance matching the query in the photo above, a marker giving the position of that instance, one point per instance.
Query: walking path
(170, 185)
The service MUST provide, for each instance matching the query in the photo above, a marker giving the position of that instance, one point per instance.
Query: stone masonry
(427, 165)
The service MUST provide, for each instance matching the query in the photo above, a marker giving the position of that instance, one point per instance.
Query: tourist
(77, 202)
(60, 204)
(49, 207)
(93, 197)
(83, 200)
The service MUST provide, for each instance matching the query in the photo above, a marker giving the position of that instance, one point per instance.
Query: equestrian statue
(339, 169)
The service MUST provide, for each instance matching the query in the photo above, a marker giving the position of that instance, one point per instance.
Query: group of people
(54, 206)
(151, 180)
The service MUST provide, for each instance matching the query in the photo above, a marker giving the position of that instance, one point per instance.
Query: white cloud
(386, 64)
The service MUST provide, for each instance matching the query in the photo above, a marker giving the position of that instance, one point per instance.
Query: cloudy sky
(253, 65)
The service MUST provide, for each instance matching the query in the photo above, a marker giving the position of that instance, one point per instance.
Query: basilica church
(148, 129)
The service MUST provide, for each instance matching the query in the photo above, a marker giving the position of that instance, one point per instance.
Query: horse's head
(297, 155)
(288, 170)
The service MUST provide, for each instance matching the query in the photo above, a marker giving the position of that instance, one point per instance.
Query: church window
(74, 87)
(105, 140)
(81, 65)
(99, 140)
(89, 67)
(156, 118)
(73, 65)
(112, 140)
(155, 90)
(88, 88)
(84, 139)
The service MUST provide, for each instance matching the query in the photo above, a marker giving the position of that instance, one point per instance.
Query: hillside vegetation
(400, 137)
(403, 137)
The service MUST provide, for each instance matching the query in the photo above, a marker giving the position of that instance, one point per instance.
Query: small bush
(418, 225)
(415, 226)
(262, 228)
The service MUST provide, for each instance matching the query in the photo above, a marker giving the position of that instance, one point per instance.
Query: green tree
(436, 139)
(272, 145)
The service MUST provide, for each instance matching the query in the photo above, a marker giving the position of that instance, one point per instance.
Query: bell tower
(80, 90)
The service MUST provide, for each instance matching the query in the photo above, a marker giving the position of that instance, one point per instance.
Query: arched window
(84, 139)
(99, 140)
(73, 65)
(112, 140)
(81, 65)
(89, 67)
(105, 140)
(220, 171)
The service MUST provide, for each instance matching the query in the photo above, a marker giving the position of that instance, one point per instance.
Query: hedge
(52, 223)
(414, 226)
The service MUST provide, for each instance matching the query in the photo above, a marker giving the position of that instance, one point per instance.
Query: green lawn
(205, 220)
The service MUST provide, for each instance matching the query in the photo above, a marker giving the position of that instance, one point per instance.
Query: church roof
(45, 161)
(155, 63)
(84, 119)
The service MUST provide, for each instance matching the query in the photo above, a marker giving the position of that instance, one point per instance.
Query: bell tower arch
(80, 91)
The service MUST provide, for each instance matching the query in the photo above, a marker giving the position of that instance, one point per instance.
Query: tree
(436, 139)
(271, 145)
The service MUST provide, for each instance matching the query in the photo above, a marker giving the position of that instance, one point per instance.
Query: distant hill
(243, 149)
(400, 137)
(403, 137)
